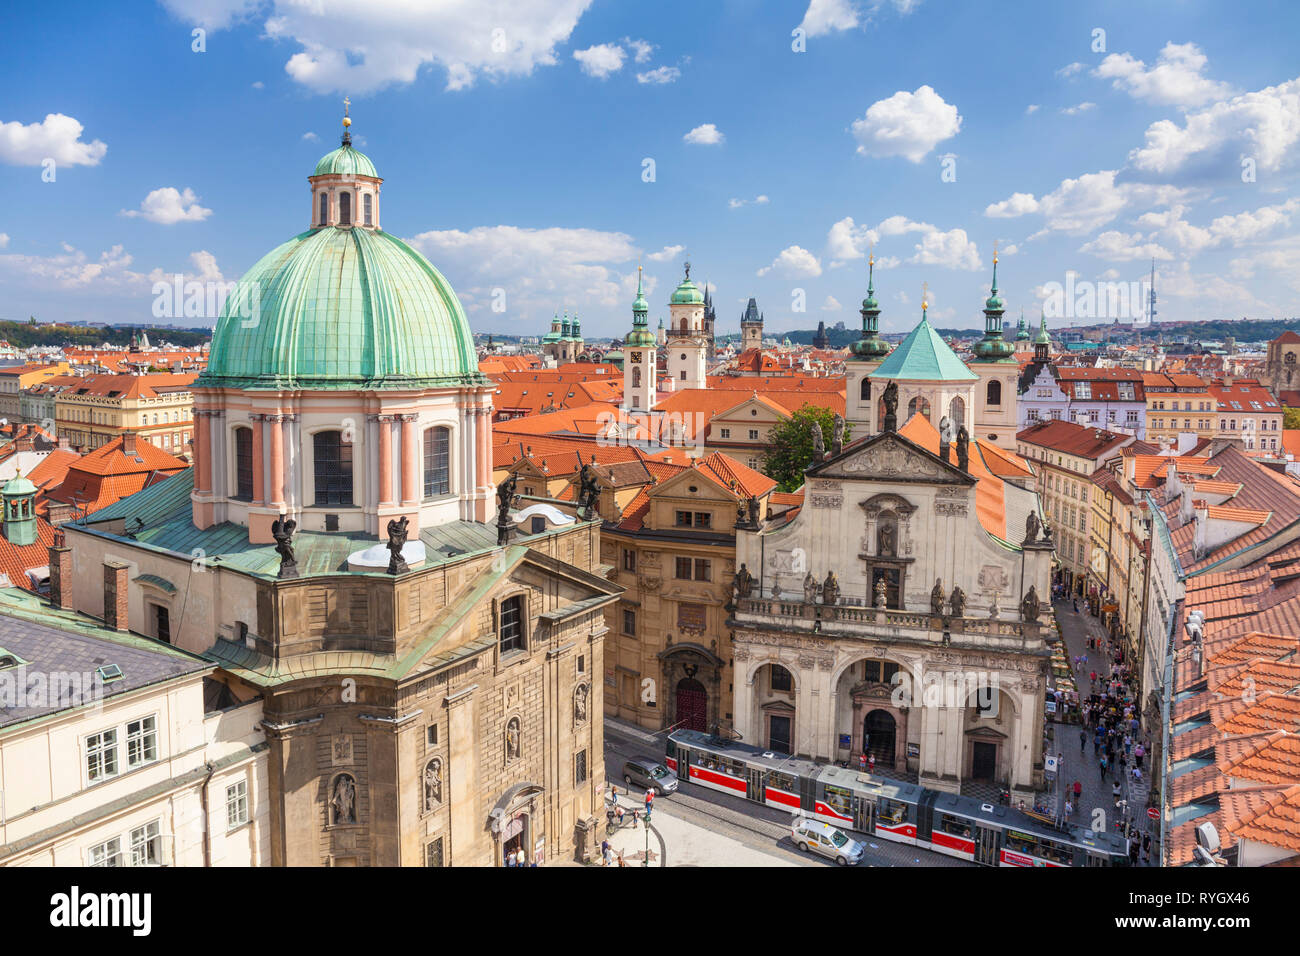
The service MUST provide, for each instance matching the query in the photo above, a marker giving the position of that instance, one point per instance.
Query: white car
(813, 835)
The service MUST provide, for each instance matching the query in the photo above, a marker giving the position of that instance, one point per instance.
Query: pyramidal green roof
(924, 356)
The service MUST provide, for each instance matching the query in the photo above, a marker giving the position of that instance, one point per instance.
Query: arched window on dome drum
(366, 205)
(994, 393)
(865, 392)
(345, 209)
(332, 468)
(324, 209)
(244, 463)
(437, 462)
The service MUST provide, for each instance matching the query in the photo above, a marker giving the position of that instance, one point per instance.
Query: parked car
(815, 836)
(649, 774)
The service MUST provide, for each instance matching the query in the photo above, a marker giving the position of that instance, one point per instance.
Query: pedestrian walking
(635, 817)
(609, 855)
(1102, 764)
(862, 761)
(520, 860)
(871, 764)
(1115, 792)
(604, 853)
(1138, 753)
(1083, 740)
(1069, 808)
(618, 814)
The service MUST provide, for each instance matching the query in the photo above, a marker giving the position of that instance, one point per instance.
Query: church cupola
(639, 356)
(993, 347)
(1022, 330)
(1042, 341)
(345, 186)
(871, 347)
(20, 511)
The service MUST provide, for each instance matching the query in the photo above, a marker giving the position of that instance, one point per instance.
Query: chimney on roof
(128, 443)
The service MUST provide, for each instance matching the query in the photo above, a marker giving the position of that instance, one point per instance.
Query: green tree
(1291, 418)
(792, 445)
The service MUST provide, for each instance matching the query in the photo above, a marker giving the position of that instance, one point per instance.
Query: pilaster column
(410, 461)
(202, 451)
(386, 458)
(259, 463)
(277, 460)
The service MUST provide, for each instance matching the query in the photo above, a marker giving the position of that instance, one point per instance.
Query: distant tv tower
(1151, 295)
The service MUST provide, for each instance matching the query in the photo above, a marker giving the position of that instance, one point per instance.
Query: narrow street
(1083, 765)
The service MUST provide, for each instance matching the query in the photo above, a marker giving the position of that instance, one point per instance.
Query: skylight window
(109, 673)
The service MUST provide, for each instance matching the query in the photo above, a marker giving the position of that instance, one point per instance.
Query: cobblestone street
(1083, 765)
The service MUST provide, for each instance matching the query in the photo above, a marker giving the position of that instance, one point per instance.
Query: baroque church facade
(427, 653)
(904, 611)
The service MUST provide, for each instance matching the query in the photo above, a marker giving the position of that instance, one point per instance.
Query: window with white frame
(141, 741)
(146, 845)
(108, 853)
(236, 804)
(101, 756)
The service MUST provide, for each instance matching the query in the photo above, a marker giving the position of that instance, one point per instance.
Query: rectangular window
(703, 519)
(332, 466)
(236, 804)
(683, 519)
(433, 853)
(683, 569)
(431, 735)
(781, 679)
(580, 768)
(146, 845)
(512, 626)
(141, 741)
(437, 459)
(244, 464)
(629, 559)
(101, 756)
(726, 433)
(629, 622)
(108, 853)
(703, 570)
(753, 434)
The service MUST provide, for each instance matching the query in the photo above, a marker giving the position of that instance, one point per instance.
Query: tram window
(1036, 846)
(956, 826)
(891, 811)
(838, 799)
(783, 781)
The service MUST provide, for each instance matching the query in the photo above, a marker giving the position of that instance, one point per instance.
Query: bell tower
(687, 343)
(639, 354)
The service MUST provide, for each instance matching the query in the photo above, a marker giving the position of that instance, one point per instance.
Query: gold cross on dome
(346, 103)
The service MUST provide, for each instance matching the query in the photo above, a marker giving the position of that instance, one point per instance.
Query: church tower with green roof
(994, 361)
(639, 356)
(868, 352)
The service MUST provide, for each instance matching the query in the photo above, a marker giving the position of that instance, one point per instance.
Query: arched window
(366, 205)
(636, 376)
(919, 404)
(994, 394)
(244, 463)
(324, 209)
(345, 209)
(437, 470)
(332, 465)
(512, 624)
(865, 392)
(957, 412)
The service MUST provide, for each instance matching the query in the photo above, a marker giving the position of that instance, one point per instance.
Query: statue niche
(887, 535)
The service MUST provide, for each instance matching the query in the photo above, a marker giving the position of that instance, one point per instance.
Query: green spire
(1043, 338)
(870, 347)
(993, 347)
(640, 334)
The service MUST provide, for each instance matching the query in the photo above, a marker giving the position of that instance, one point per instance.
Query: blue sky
(513, 136)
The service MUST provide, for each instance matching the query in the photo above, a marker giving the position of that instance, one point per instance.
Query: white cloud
(665, 254)
(1080, 108)
(794, 262)
(539, 270)
(706, 135)
(1115, 246)
(951, 248)
(360, 46)
(640, 49)
(831, 304)
(169, 205)
(659, 76)
(258, 85)
(601, 60)
(1078, 206)
(1231, 230)
(828, 16)
(1031, 109)
(1110, 275)
(1069, 69)
(1263, 126)
(4, 240)
(57, 137)
(1175, 80)
(906, 124)
(759, 200)
(1017, 205)
(311, 137)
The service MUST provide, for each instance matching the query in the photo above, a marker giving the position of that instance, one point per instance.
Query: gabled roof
(923, 356)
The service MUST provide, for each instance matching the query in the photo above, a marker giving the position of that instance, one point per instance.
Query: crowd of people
(1109, 721)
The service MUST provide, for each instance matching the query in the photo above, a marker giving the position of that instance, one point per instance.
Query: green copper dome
(871, 347)
(346, 161)
(688, 293)
(342, 308)
(1042, 338)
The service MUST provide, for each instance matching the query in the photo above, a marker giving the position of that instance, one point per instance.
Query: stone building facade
(847, 638)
